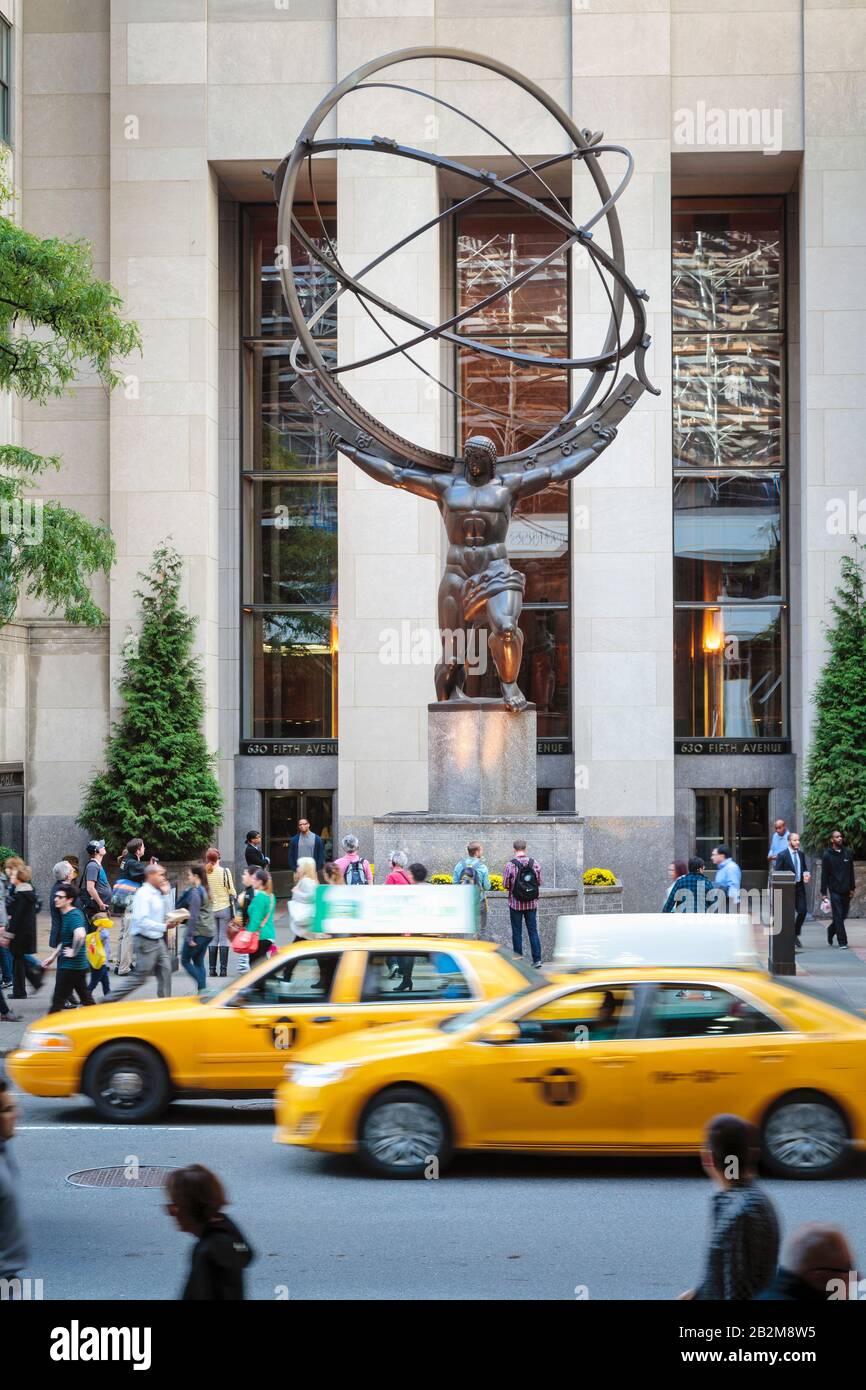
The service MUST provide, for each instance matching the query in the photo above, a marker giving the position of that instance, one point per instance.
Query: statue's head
(479, 456)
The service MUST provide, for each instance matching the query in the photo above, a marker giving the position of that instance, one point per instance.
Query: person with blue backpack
(473, 870)
(523, 884)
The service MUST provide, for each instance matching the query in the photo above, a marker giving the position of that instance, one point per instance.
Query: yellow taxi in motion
(619, 1059)
(132, 1058)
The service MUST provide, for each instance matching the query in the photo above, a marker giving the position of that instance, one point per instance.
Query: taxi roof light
(690, 940)
(381, 909)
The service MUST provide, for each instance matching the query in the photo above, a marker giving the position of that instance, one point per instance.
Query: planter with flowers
(602, 891)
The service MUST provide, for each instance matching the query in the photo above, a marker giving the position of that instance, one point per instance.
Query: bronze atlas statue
(477, 492)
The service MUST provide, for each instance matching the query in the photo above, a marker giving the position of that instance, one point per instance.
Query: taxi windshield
(458, 1022)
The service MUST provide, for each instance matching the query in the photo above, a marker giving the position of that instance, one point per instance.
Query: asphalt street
(490, 1228)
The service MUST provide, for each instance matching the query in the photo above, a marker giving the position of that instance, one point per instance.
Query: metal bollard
(781, 956)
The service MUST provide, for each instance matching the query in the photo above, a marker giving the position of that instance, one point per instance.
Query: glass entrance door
(740, 820)
(283, 810)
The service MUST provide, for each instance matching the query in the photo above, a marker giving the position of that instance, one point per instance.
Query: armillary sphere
(606, 397)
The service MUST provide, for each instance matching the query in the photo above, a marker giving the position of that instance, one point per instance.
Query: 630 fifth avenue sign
(732, 745)
(310, 748)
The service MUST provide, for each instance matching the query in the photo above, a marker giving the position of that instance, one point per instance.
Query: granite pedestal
(483, 787)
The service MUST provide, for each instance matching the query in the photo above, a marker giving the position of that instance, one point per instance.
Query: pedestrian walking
(353, 867)
(20, 930)
(199, 928)
(471, 869)
(523, 884)
(62, 872)
(98, 947)
(94, 889)
(744, 1238)
(333, 875)
(150, 918)
(127, 884)
(13, 1241)
(778, 842)
(70, 952)
(793, 861)
(223, 900)
(302, 901)
(196, 1199)
(689, 892)
(7, 888)
(5, 953)
(260, 916)
(817, 1265)
(306, 845)
(729, 877)
(417, 872)
(837, 885)
(677, 868)
(399, 874)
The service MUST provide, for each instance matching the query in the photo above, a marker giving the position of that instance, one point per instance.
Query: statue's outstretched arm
(415, 480)
(536, 479)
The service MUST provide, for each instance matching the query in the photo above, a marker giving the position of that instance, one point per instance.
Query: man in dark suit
(793, 861)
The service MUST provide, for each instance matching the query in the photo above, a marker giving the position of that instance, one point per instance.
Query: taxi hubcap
(806, 1135)
(403, 1134)
(123, 1087)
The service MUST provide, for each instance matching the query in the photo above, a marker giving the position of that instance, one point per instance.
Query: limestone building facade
(676, 593)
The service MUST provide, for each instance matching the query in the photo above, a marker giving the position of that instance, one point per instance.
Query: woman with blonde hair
(301, 906)
(221, 888)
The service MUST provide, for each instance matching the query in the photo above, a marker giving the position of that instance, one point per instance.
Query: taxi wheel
(127, 1082)
(805, 1136)
(404, 1133)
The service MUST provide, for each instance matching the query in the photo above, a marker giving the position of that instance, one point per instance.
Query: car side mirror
(503, 1032)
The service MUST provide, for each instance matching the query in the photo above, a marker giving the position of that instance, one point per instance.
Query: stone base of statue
(482, 786)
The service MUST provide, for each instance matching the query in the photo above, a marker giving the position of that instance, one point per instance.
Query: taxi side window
(586, 1016)
(299, 980)
(686, 1011)
(422, 976)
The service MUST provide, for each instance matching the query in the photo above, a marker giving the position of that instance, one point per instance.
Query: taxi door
(705, 1051)
(568, 1081)
(248, 1040)
(408, 984)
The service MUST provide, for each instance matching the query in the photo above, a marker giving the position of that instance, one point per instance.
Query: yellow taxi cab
(132, 1058)
(628, 1057)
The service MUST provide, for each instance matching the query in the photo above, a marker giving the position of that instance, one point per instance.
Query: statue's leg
(450, 674)
(505, 640)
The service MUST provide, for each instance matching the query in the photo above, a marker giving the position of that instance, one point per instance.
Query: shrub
(441, 878)
(836, 774)
(497, 883)
(599, 878)
(159, 779)
(7, 853)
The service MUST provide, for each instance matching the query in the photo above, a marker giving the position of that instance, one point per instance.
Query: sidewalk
(36, 1006)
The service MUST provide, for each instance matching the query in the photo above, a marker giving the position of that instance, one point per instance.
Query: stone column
(833, 290)
(164, 234)
(622, 577)
(389, 541)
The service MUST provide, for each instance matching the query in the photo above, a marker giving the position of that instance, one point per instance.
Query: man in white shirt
(779, 842)
(728, 877)
(147, 927)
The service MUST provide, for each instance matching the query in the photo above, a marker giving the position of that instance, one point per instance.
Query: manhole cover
(146, 1176)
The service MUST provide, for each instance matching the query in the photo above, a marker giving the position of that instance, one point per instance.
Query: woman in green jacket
(260, 916)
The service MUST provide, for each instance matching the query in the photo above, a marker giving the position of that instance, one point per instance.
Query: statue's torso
(476, 520)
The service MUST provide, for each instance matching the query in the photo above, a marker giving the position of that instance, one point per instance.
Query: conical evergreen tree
(159, 778)
(836, 774)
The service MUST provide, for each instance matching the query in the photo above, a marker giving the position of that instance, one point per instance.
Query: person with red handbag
(258, 936)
